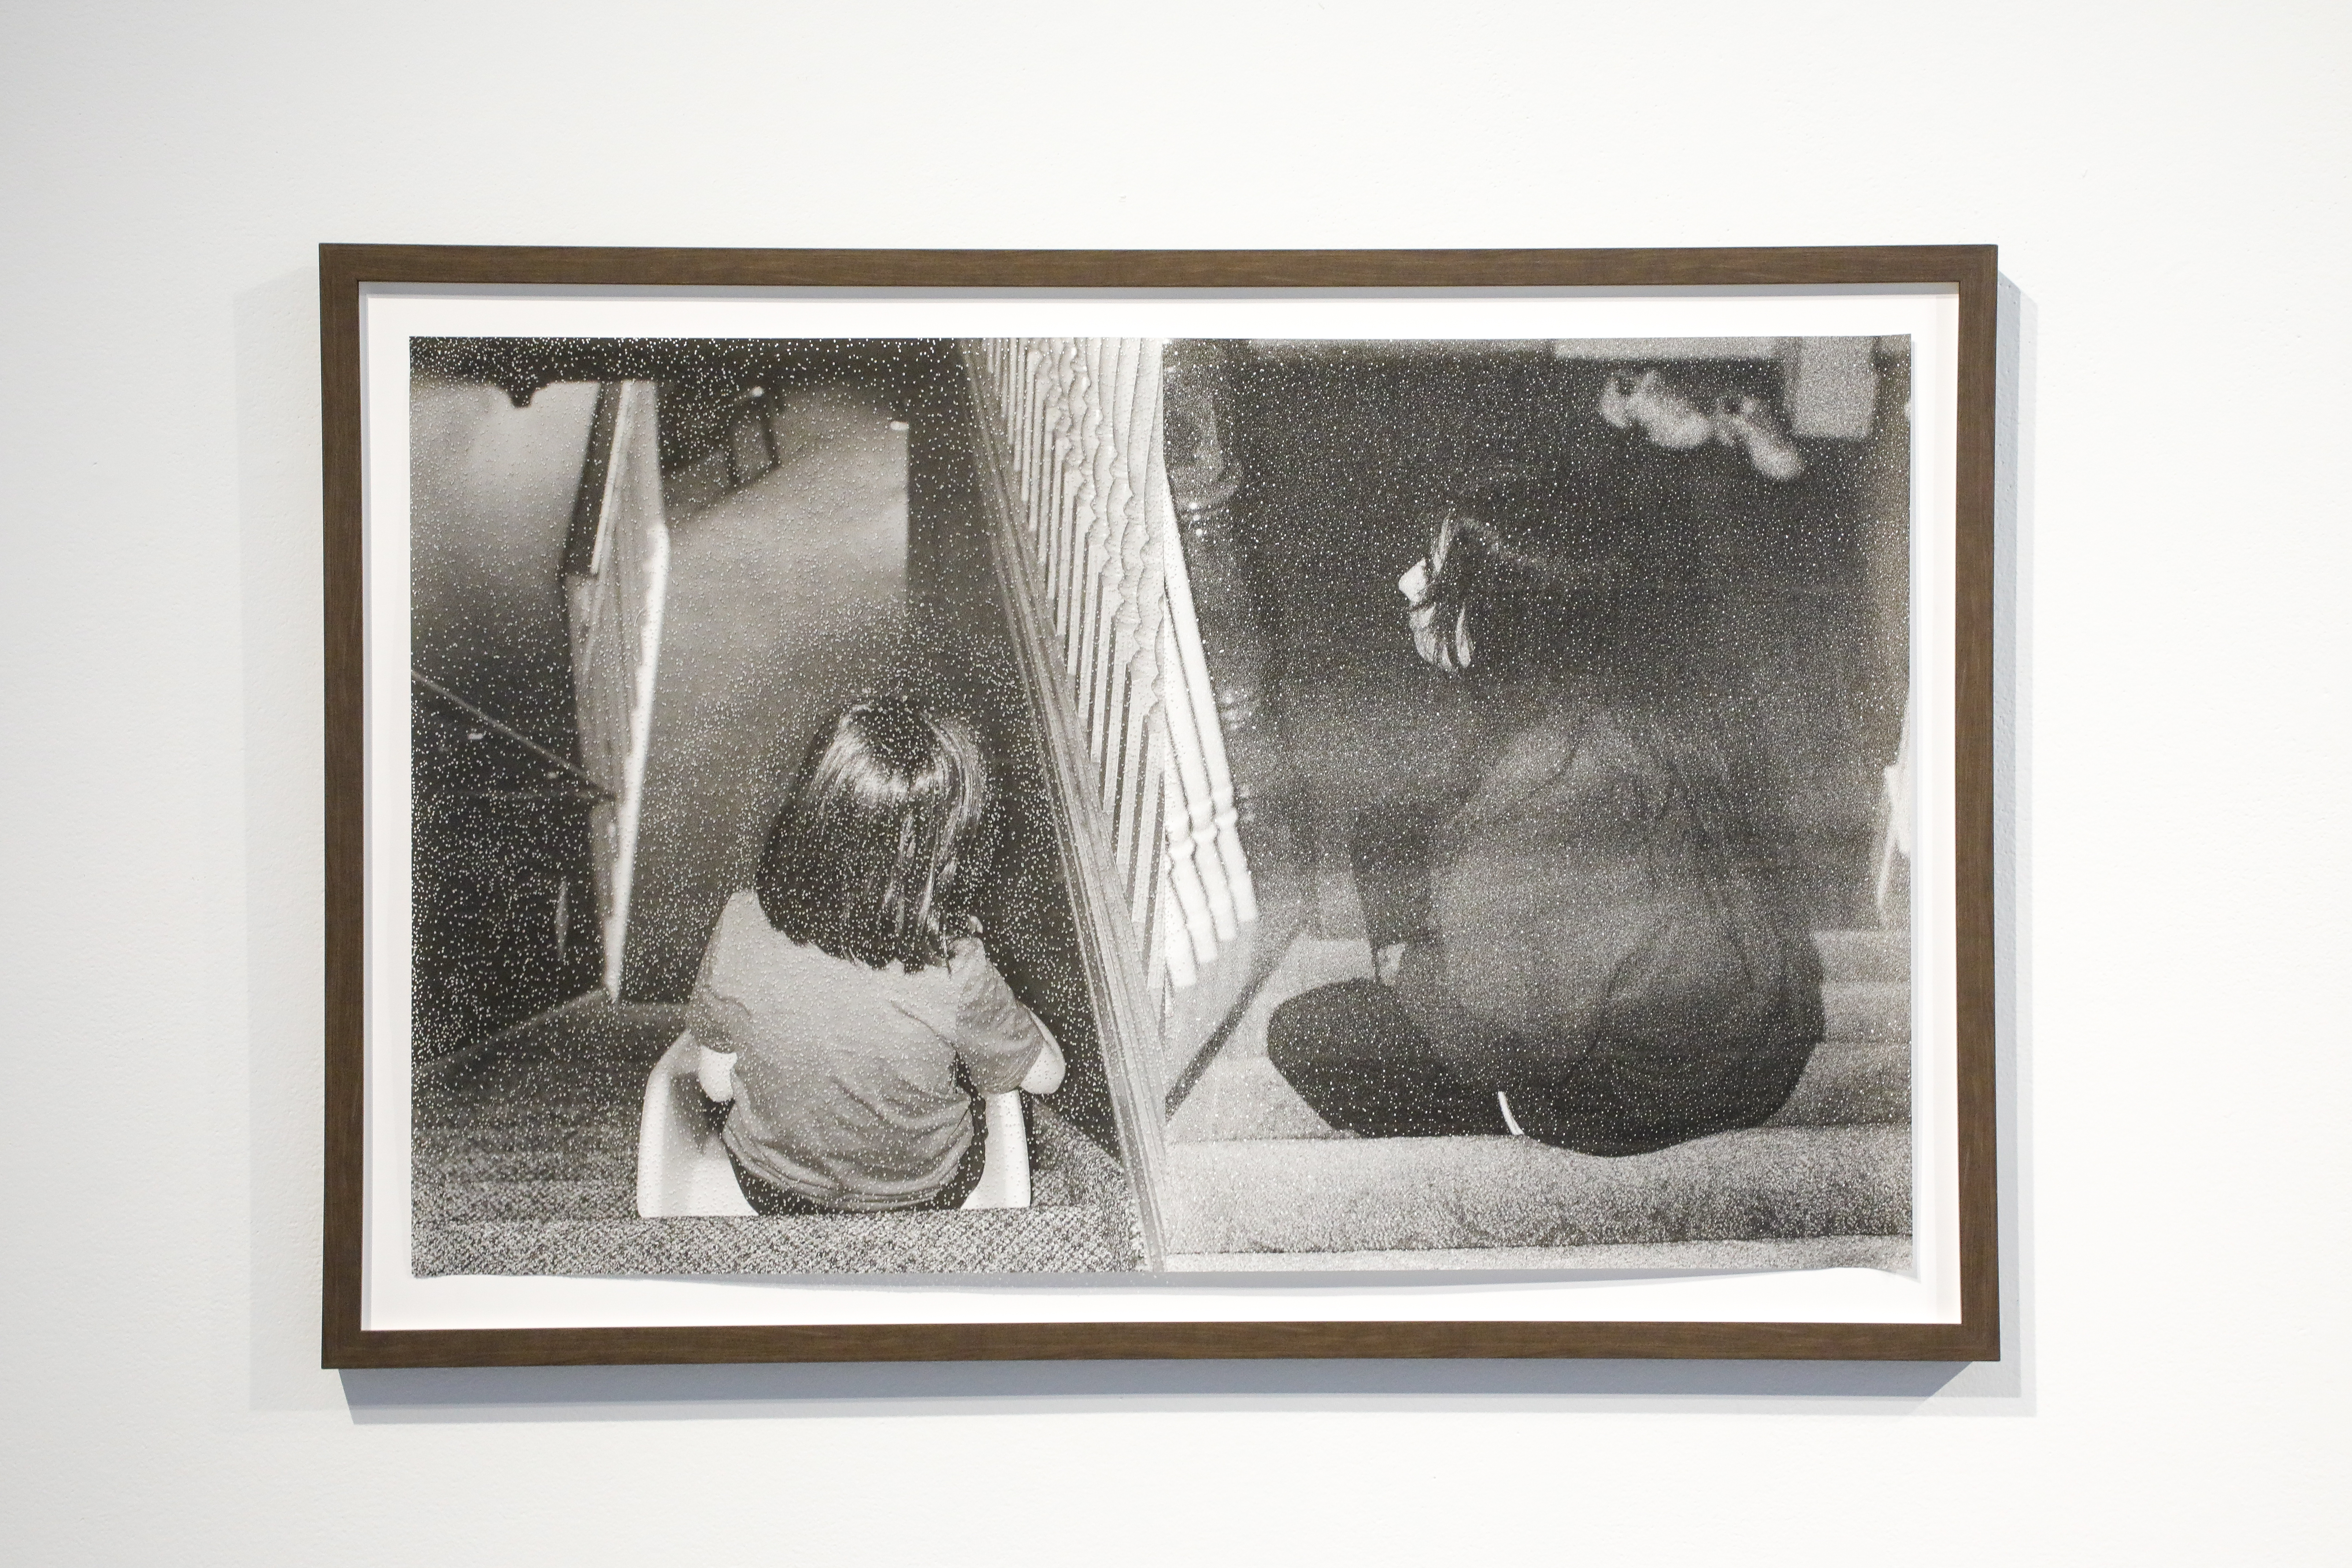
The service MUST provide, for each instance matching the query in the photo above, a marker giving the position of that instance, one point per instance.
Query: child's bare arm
(706, 1020)
(1004, 1045)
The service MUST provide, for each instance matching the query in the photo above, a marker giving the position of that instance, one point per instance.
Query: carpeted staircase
(525, 1162)
(1257, 1180)
(525, 1153)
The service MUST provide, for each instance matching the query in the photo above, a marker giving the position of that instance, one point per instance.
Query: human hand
(715, 1071)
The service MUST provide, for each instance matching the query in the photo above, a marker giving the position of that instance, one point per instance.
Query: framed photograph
(1019, 804)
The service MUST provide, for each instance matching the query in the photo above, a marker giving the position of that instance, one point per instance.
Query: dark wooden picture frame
(345, 269)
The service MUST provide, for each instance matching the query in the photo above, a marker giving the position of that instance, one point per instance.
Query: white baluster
(1171, 948)
(1184, 875)
(1224, 817)
(1069, 541)
(1081, 420)
(1143, 615)
(1130, 536)
(1094, 545)
(1107, 524)
(1063, 425)
(1198, 826)
(1036, 416)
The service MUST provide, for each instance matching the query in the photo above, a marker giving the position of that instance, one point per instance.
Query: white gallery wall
(2167, 183)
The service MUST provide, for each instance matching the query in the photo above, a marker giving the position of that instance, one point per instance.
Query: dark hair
(1592, 579)
(883, 838)
(1579, 572)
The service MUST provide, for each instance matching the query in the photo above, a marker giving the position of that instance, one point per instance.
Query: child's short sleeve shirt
(847, 1086)
(997, 1038)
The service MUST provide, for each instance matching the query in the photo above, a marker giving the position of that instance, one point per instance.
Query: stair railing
(1075, 428)
(614, 582)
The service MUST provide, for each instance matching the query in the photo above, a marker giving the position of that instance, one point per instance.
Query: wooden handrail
(507, 732)
(613, 594)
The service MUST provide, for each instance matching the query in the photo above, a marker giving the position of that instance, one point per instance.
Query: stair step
(448, 1202)
(458, 1202)
(1074, 1240)
(1873, 1010)
(1356, 1195)
(566, 1173)
(1309, 962)
(1051, 1189)
(464, 1165)
(582, 1140)
(1849, 1083)
(1865, 988)
(1863, 954)
(1845, 1083)
(533, 1198)
(1245, 1096)
(1892, 1253)
(568, 1119)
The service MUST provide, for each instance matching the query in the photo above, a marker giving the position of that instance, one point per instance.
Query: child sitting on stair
(845, 1006)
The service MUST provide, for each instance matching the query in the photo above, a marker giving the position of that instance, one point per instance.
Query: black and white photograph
(956, 808)
(1276, 785)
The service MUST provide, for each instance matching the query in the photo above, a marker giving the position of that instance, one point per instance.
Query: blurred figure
(1592, 949)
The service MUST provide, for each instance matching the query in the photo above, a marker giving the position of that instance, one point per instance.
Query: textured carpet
(1892, 1253)
(1385, 1193)
(985, 1241)
(1253, 1170)
(525, 1162)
